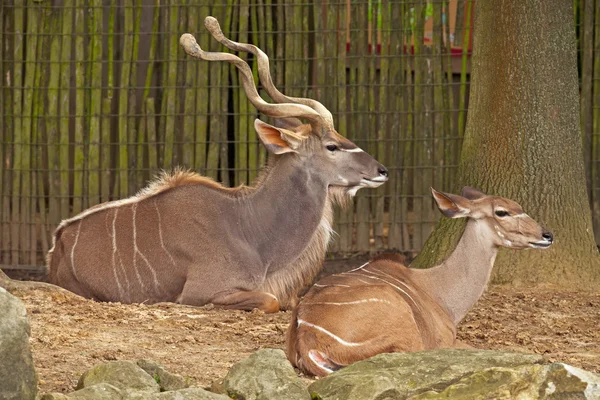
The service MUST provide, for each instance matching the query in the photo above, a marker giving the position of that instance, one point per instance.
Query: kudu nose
(548, 236)
(382, 171)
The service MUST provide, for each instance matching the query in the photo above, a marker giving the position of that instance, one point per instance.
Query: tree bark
(523, 141)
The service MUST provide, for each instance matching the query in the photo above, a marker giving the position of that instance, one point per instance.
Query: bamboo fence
(97, 96)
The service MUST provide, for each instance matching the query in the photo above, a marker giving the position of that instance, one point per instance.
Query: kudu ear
(451, 205)
(287, 123)
(277, 140)
(472, 193)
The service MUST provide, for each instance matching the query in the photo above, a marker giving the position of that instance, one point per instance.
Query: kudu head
(338, 161)
(506, 222)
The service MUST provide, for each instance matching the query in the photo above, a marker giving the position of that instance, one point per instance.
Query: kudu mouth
(373, 182)
(548, 239)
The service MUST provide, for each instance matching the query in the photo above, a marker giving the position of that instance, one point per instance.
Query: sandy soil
(69, 335)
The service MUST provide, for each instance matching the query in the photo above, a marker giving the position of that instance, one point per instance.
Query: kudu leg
(248, 301)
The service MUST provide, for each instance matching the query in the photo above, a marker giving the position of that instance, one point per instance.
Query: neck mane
(459, 281)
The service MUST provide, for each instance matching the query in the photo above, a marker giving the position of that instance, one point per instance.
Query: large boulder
(18, 379)
(456, 374)
(265, 375)
(120, 374)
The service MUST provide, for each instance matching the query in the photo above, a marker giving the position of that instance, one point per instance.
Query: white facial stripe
(355, 150)
(522, 215)
(498, 231)
(331, 335)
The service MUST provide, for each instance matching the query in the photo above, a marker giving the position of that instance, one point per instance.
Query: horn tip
(213, 27)
(188, 42)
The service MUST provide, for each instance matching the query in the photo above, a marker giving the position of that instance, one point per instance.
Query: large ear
(287, 123)
(472, 193)
(277, 140)
(451, 205)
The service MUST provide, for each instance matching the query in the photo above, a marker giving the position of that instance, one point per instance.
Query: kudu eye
(502, 213)
(331, 147)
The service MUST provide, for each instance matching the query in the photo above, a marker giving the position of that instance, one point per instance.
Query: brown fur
(384, 306)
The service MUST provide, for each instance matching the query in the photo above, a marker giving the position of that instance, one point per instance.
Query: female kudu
(190, 240)
(384, 306)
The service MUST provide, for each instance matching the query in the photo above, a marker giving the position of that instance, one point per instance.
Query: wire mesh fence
(98, 96)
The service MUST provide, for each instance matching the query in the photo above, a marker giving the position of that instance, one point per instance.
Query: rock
(401, 375)
(101, 391)
(459, 375)
(18, 378)
(54, 396)
(121, 374)
(183, 394)
(165, 379)
(265, 375)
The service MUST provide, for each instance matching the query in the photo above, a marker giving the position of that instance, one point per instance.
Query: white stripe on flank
(394, 286)
(73, 250)
(356, 269)
(329, 303)
(162, 243)
(331, 335)
(316, 362)
(135, 250)
(114, 263)
(332, 285)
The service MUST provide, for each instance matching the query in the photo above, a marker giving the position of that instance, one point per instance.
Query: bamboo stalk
(241, 131)
(394, 107)
(256, 15)
(377, 122)
(189, 94)
(19, 15)
(36, 194)
(270, 39)
(215, 94)
(448, 101)
(409, 153)
(344, 121)
(202, 72)
(463, 71)
(33, 34)
(105, 153)
(65, 111)
(4, 134)
(7, 52)
(52, 120)
(222, 138)
(122, 188)
(150, 116)
(95, 101)
(362, 101)
(439, 126)
(80, 162)
(147, 102)
(168, 106)
(133, 163)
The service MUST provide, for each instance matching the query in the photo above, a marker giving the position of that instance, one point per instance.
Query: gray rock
(401, 375)
(54, 396)
(121, 374)
(265, 375)
(165, 379)
(564, 381)
(101, 391)
(18, 378)
(183, 394)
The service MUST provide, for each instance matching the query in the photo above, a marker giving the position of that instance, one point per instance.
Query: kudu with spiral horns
(385, 307)
(187, 239)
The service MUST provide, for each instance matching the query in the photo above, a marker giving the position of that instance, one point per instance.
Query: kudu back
(188, 239)
(383, 306)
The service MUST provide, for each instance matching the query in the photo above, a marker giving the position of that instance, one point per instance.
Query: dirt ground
(70, 335)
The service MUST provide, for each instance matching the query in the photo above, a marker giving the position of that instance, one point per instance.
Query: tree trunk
(523, 141)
